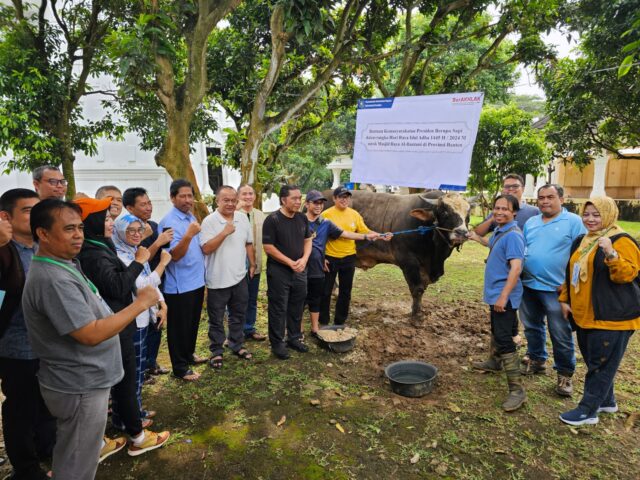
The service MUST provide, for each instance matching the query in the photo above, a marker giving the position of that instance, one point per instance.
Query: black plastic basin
(411, 378)
(342, 346)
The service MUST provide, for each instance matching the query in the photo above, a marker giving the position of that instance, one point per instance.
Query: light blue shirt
(548, 249)
(187, 274)
(504, 246)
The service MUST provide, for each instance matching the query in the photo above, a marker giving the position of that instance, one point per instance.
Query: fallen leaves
(281, 421)
(315, 402)
(415, 459)
(630, 421)
(340, 428)
(453, 407)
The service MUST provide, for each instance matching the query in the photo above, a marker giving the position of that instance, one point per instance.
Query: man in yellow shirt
(341, 256)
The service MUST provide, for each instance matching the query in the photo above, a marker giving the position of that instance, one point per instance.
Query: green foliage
(506, 143)
(589, 106)
(632, 48)
(44, 66)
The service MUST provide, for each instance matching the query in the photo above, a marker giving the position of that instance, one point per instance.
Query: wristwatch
(611, 256)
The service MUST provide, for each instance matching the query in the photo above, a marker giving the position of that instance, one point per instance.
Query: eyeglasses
(513, 186)
(54, 182)
(133, 231)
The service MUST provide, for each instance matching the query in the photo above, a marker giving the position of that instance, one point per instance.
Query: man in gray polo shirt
(74, 333)
(227, 241)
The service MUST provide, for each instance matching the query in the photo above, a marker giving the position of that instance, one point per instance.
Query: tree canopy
(506, 143)
(589, 106)
(48, 52)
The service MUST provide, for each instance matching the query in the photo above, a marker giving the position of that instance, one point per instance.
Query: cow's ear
(422, 214)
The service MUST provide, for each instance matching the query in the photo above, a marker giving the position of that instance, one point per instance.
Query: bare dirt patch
(447, 336)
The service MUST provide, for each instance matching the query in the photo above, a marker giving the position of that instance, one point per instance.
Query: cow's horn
(431, 201)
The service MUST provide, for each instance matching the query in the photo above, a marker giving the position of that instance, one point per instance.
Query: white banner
(423, 141)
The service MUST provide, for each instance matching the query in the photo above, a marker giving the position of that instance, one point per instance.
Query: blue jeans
(536, 304)
(252, 307)
(602, 351)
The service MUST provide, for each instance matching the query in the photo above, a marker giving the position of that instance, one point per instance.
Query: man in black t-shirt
(137, 202)
(287, 242)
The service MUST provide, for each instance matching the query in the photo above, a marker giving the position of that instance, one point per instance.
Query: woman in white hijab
(128, 233)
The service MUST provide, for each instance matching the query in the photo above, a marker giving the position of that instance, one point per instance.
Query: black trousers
(286, 292)
(126, 411)
(183, 319)
(344, 269)
(28, 427)
(315, 287)
(154, 338)
(235, 299)
(503, 326)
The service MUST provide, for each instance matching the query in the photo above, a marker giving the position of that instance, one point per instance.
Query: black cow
(421, 257)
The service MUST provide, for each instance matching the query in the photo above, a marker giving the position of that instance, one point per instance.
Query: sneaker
(111, 446)
(528, 366)
(298, 346)
(608, 408)
(151, 441)
(281, 352)
(577, 417)
(564, 387)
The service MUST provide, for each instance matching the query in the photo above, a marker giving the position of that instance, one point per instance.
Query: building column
(336, 177)
(540, 181)
(599, 174)
(529, 186)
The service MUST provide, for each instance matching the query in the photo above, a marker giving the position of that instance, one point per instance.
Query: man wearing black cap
(321, 231)
(341, 255)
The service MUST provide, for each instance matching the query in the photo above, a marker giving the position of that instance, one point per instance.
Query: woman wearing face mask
(128, 233)
(602, 295)
(116, 284)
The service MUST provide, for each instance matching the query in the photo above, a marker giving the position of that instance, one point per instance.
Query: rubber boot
(517, 395)
(491, 364)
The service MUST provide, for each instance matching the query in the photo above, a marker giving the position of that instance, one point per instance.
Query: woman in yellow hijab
(602, 297)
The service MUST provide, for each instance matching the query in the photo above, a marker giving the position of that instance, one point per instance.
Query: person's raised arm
(102, 329)
(214, 243)
(180, 249)
(164, 238)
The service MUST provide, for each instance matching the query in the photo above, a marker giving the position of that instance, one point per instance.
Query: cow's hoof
(417, 319)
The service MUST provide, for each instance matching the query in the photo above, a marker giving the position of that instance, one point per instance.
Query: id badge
(575, 277)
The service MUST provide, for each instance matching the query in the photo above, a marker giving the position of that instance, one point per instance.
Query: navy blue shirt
(504, 246)
(321, 230)
(15, 342)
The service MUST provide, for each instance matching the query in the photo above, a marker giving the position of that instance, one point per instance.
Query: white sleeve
(207, 230)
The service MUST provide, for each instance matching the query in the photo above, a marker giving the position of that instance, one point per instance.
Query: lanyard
(93, 288)
(96, 242)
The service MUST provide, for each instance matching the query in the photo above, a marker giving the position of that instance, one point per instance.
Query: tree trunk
(174, 158)
(250, 154)
(67, 169)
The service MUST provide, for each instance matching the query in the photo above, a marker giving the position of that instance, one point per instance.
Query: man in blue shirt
(183, 281)
(548, 239)
(321, 231)
(512, 184)
(29, 429)
(503, 292)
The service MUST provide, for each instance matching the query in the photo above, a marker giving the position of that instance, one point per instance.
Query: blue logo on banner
(365, 103)
(457, 188)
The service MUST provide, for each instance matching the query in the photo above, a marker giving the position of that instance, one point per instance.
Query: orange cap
(92, 205)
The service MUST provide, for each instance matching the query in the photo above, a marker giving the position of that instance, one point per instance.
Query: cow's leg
(411, 271)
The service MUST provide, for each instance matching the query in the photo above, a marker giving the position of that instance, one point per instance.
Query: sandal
(255, 336)
(197, 360)
(216, 362)
(244, 354)
(189, 376)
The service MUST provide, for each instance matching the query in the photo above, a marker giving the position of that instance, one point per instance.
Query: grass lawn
(323, 415)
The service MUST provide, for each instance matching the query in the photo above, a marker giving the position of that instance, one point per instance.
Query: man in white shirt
(226, 239)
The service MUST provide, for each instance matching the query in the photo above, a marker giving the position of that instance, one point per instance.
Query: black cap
(313, 195)
(341, 191)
